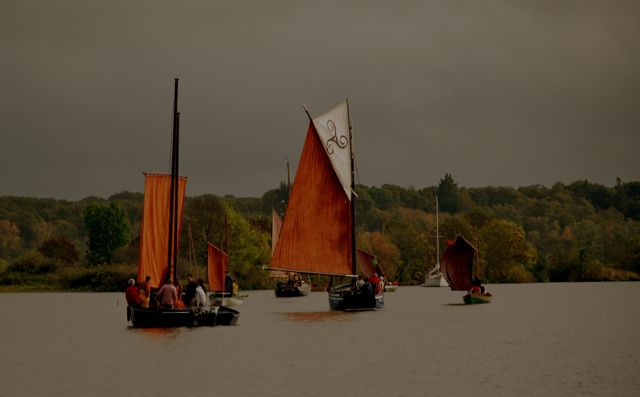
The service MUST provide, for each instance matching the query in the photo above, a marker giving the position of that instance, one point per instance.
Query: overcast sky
(497, 93)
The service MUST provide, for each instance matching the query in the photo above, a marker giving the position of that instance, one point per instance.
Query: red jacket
(131, 293)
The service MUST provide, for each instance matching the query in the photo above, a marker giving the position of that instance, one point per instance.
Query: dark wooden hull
(287, 291)
(168, 318)
(343, 298)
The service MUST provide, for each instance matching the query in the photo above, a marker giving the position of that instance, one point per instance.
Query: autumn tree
(60, 248)
(506, 255)
(10, 243)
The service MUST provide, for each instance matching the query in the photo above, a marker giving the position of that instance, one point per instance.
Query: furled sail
(154, 233)
(457, 264)
(217, 266)
(316, 234)
(276, 225)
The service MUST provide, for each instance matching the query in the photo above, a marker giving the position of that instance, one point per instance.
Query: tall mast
(225, 244)
(172, 251)
(288, 180)
(175, 191)
(437, 236)
(353, 198)
(225, 247)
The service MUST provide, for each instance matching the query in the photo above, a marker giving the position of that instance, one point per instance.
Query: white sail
(333, 130)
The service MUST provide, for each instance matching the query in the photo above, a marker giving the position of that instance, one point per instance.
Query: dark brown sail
(457, 264)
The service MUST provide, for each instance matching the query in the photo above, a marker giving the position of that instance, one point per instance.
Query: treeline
(582, 231)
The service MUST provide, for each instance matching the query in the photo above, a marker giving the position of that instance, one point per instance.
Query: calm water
(534, 340)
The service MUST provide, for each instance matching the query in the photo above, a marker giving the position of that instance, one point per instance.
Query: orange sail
(154, 233)
(316, 235)
(217, 266)
(457, 262)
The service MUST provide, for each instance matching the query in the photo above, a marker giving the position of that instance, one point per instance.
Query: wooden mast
(353, 196)
(172, 252)
(226, 251)
(288, 180)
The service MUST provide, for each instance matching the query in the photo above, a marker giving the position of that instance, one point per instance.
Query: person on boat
(190, 290)
(167, 295)
(359, 283)
(228, 284)
(132, 294)
(144, 292)
(201, 295)
(375, 282)
(179, 304)
(476, 286)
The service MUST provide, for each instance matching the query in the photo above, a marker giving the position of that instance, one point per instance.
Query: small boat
(473, 297)
(390, 288)
(159, 237)
(286, 284)
(223, 288)
(318, 229)
(287, 289)
(457, 268)
(434, 278)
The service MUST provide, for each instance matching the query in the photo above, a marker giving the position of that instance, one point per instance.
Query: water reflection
(313, 317)
(158, 334)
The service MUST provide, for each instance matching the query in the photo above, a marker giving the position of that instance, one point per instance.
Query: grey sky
(507, 93)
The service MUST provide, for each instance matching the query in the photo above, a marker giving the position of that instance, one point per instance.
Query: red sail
(217, 266)
(316, 232)
(365, 263)
(457, 263)
(154, 233)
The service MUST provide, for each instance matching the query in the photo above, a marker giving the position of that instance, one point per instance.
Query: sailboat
(159, 236)
(222, 286)
(318, 230)
(457, 268)
(287, 284)
(434, 278)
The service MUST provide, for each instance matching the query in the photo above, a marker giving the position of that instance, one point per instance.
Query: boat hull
(435, 281)
(347, 300)
(287, 291)
(472, 298)
(171, 318)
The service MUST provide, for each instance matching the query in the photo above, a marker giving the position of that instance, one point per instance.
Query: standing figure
(145, 292)
(201, 295)
(132, 294)
(190, 290)
(167, 295)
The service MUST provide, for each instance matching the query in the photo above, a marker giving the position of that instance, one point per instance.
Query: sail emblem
(342, 141)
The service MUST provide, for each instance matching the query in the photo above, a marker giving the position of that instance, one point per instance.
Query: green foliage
(108, 230)
(448, 194)
(249, 250)
(33, 263)
(101, 278)
(276, 198)
(577, 232)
